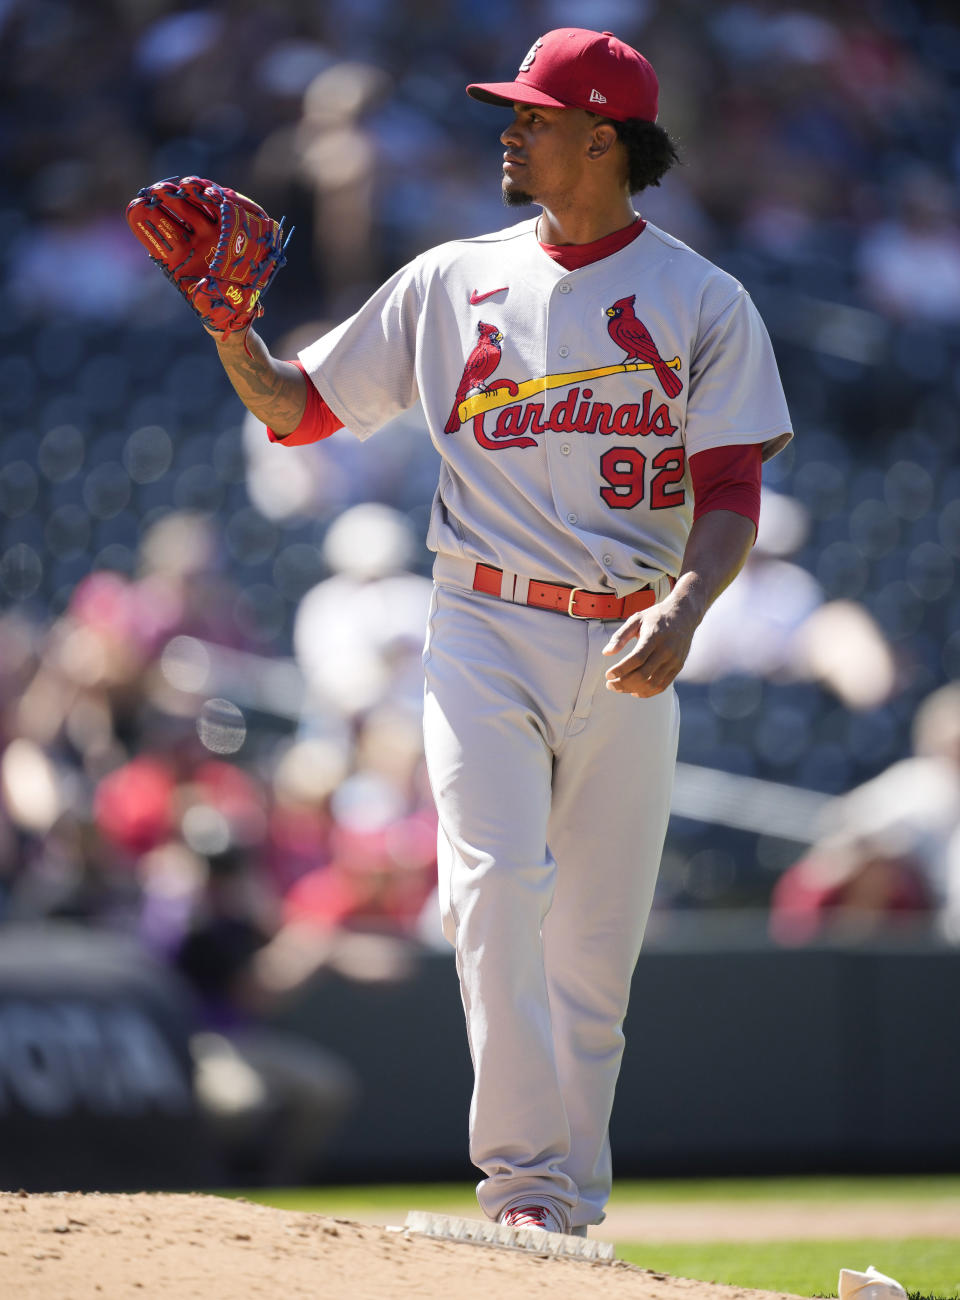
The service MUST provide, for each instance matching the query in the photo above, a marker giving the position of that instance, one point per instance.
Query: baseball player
(602, 398)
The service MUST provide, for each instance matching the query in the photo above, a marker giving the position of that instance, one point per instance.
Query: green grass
(928, 1267)
(881, 1187)
(343, 1201)
(346, 1202)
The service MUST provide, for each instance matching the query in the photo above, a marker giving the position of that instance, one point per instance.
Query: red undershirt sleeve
(317, 422)
(728, 478)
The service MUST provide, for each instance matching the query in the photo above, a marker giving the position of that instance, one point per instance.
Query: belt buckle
(570, 610)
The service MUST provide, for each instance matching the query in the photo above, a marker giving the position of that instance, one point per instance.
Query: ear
(603, 138)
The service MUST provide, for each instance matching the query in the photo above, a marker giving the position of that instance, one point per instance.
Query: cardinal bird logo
(481, 363)
(634, 337)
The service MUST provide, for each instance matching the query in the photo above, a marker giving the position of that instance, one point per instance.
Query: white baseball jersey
(565, 447)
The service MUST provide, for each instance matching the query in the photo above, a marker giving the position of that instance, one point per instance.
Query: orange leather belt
(574, 601)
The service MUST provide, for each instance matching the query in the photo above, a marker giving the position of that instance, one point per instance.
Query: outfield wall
(96, 1076)
(752, 1060)
(739, 1058)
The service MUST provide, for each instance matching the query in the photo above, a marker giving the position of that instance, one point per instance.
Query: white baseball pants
(553, 796)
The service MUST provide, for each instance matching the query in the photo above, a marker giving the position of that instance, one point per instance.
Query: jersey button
(564, 351)
(608, 559)
(565, 448)
(571, 518)
(565, 288)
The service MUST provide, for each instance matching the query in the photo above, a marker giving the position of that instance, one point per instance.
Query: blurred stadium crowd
(209, 646)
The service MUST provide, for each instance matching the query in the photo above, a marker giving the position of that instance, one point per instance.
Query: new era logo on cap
(564, 68)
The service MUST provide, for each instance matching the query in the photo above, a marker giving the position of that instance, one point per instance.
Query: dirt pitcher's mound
(70, 1246)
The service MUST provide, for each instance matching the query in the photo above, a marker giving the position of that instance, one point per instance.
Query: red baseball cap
(576, 68)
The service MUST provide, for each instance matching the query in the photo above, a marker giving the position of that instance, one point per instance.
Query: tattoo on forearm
(270, 389)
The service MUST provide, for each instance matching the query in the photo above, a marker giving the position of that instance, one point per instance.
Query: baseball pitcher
(602, 398)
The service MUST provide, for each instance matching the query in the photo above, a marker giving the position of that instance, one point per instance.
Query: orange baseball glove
(218, 247)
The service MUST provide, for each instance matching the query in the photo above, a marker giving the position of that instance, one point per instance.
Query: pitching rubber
(484, 1233)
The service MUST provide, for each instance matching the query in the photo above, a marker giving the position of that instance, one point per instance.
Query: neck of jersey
(572, 256)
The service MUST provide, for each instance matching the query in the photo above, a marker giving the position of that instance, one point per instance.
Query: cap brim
(507, 93)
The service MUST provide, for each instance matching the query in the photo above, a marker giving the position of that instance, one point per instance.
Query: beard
(515, 198)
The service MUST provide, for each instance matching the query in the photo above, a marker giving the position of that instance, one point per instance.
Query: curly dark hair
(650, 151)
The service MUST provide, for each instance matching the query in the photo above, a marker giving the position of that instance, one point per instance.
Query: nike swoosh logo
(477, 298)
